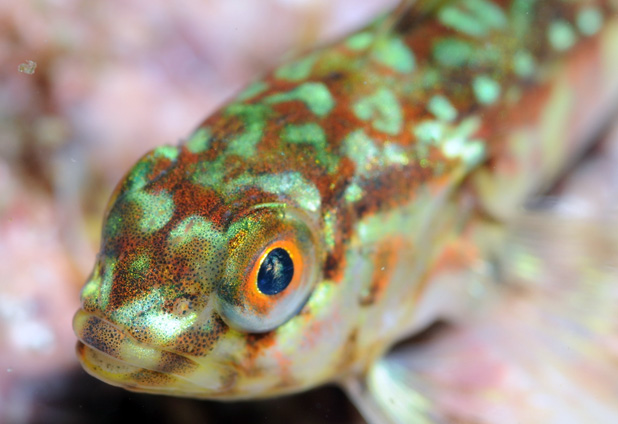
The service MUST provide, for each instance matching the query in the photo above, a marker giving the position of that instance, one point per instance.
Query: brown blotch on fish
(199, 341)
(349, 353)
(257, 342)
(228, 382)
(384, 260)
(255, 345)
(150, 378)
(176, 364)
(193, 199)
(334, 76)
(101, 336)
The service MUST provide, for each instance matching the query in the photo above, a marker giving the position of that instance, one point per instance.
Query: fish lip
(190, 388)
(149, 369)
(98, 364)
(83, 320)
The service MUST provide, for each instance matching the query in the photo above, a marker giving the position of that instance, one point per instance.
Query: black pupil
(276, 272)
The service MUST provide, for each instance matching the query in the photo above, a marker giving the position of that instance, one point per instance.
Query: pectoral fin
(390, 393)
(544, 351)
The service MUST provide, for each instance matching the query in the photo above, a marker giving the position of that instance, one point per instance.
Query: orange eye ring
(272, 267)
(260, 301)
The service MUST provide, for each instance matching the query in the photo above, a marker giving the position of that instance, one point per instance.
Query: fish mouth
(115, 357)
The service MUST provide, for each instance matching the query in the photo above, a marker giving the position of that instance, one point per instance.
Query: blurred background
(112, 80)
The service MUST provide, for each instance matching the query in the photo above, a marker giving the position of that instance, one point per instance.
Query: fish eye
(276, 271)
(272, 267)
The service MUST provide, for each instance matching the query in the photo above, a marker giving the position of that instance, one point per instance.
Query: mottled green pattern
(350, 159)
(382, 109)
(315, 95)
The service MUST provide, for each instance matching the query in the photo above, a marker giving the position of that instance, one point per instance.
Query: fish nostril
(183, 306)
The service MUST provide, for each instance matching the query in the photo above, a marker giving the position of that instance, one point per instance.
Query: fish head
(206, 289)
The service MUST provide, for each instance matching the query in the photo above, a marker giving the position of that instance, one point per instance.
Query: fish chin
(111, 355)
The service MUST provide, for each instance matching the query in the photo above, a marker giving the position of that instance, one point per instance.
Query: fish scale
(378, 165)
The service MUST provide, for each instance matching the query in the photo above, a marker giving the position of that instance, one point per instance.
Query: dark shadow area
(79, 398)
(431, 332)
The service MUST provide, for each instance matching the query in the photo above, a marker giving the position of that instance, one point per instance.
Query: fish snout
(109, 353)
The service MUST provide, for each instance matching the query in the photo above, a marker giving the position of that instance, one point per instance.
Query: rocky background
(112, 80)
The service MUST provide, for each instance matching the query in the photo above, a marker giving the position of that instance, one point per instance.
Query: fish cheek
(194, 259)
(200, 339)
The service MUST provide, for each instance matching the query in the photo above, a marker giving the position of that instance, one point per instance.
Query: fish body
(296, 235)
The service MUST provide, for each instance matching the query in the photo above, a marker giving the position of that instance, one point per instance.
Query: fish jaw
(110, 354)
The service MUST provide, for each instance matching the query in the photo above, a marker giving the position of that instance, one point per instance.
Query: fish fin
(386, 395)
(544, 351)
(583, 248)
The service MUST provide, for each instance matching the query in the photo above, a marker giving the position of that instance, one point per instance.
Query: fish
(344, 202)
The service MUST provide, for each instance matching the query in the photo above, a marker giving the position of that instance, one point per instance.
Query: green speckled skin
(367, 161)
